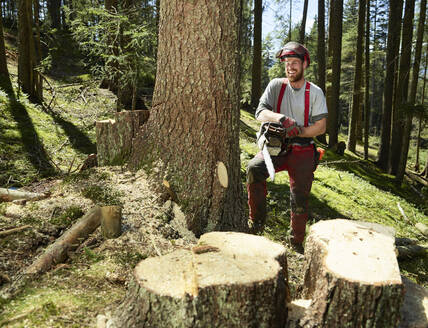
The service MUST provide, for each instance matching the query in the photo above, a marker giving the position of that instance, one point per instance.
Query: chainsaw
(272, 140)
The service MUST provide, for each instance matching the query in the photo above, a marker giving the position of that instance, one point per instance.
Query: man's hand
(291, 127)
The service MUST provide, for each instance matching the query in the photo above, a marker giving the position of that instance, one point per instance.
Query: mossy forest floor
(41, 149)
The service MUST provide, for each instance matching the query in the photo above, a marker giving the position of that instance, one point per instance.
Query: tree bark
(418, 140)
(335, 58)
(415, 307)
(54, 12)
(194, 121)
(352, 275)
(367, 84)
(303, 24)
(356, 95)
(114, 138)
(256, 81)
(4, 72)
(401, 94)
(208, 286)
(393, 43)
(408, 117)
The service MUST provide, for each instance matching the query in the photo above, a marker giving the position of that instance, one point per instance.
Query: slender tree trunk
(256, 82)
(393, 43)
(418, 141)
(367, 84)
(192, 134)
(335, 58)
(38, 56)
(356, 96)
(289, 28)
(321, 54)
(4, 72)
(303, 25)
(402, 118)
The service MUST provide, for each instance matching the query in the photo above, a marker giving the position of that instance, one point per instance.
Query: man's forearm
(269, 116)
(314, 130)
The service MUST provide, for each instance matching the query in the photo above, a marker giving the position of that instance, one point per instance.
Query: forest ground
(94, 279)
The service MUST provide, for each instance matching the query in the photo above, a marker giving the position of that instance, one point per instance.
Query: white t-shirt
(293, 102)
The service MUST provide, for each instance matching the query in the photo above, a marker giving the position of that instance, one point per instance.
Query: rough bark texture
(357, 93)
(352, 276)
(256, 81)
(57, 252)
(194, 121)
(367, 83)
(115, 138)
(205, 287)
(402, 91)
(393, 43)
(335, 59)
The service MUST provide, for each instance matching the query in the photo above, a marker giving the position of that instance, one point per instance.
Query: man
(301, 108)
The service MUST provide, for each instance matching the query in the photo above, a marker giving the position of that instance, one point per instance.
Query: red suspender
(281, 95)
(308, 87)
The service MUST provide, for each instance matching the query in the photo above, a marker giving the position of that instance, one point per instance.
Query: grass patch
(102, 195)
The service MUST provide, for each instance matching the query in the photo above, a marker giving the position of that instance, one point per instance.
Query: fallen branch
(410, 251)
(402, 213)
(8, 195)
(341, 162)
(16, 318)
(8, 232)
(417, 178)
(57, 252)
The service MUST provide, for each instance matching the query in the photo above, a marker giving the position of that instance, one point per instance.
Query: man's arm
(269, 116)
(314, 130)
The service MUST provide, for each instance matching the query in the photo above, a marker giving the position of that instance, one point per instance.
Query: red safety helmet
(294, 49)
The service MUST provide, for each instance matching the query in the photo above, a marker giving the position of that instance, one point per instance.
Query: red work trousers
(300, 163)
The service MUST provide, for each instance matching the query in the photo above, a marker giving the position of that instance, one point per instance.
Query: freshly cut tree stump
(111, 221)
(205, 287)
(352, 276)
(114, 137)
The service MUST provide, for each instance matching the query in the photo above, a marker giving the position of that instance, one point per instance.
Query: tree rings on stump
(205, 287)
(111, 221)
(352, 275)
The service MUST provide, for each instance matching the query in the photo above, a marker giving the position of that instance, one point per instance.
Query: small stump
(207, 286)
(352, 275)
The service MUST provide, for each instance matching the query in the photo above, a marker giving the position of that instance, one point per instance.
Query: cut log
(13, 230)
(114, 137)
(411, 251)
(351, 275)
(70, 240)
(206, 287)
(414, 312)
(8, 195)
(111, 221)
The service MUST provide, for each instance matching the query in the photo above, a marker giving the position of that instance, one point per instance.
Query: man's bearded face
(294, 69)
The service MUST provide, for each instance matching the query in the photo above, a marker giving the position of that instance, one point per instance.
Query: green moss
(68, 216)
(102, 195)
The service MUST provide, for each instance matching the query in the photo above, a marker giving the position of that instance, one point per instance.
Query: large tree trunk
(352, 275)
(54, 12)
(216, 284)
(395, 9)
(367, 84)
(335, 58)
(401, 168)
(401, 94)
(356, 95)
(4, 72)
(321, 53)
(256, 81)
(194, 122)
(303, 24)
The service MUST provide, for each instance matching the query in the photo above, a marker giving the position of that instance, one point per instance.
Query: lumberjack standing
(300, 107)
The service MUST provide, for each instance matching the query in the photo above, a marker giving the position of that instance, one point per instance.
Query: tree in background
(257, 54)
(408, 115)
(402, 90)
(334, 58)
(421, 117)
(193, 130)
(367, 83)
(27, 73)
(394, 28)
(4, 72)
(54, 13)
(357, 93)
(303, 24)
